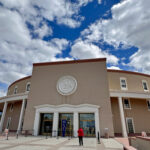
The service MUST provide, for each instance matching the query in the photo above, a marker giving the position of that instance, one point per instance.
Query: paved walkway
(40, 143)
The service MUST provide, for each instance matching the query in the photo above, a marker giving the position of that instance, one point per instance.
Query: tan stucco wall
(21, 86)
(15, 114)
(92, 89)
(139, 112)
(116, 115)
(134, 81)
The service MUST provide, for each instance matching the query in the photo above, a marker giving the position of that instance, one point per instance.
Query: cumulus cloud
(82, 50)
(62, 11)
(130, 26)
(19, 50)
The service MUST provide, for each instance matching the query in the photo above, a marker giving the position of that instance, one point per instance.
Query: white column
(36, 123)
(3, 116)
(21, 115)
(55, 124)
(75, 123)
(97, 123)
(123, 124)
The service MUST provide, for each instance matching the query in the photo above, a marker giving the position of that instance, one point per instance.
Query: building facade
(60, 97)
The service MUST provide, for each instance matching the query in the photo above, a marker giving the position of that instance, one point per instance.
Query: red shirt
(80, 132)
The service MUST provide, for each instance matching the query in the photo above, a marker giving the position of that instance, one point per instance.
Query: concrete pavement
(40, 143)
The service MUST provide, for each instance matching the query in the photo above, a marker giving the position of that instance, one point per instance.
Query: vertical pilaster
(97, 123)
(36, 123)
(55, 124)
(21, 115)
(3, 116)
(75, 123)
(123, 124)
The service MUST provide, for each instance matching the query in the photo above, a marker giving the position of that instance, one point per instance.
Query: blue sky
(39, 31)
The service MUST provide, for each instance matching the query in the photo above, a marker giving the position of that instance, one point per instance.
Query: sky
(33, 31)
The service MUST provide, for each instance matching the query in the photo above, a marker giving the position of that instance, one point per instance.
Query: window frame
(144, 81)
(132, 124)
(124, 106)
(16, 91)
(27, 86)
(123, 88)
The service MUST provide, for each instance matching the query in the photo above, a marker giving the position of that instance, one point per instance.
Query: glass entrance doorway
(65, 124)
(46, 124)
(87, 123)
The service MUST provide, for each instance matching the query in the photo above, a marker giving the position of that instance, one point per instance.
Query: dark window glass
(145, 86)
(123, 83)
(28, 87)
(130, 125)
(126, 103)
(148, 104)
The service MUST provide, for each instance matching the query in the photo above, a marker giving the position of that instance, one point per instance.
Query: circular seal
(66, 85)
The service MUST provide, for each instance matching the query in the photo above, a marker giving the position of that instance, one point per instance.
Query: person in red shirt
(80, 136)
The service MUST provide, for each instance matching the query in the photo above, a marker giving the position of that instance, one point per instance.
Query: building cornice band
(130, 95)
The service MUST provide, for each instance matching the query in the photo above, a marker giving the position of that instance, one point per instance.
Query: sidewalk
(40, 143)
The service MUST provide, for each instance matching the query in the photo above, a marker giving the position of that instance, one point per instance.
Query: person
(80, 136)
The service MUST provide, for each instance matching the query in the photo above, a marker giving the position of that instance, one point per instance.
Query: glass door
(65, 124)
(87, 123)
(46, 124)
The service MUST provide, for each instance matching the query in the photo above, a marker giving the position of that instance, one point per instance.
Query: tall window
(148, 104)
(8, 122)
(15, 90)
(28, 87)
(11, 107)
(127, 104)
(123, 83)
(130, 125)
(145, 86)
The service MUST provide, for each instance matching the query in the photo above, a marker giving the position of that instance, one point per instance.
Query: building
(60, 97)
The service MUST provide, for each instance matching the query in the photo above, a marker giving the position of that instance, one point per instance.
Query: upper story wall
(21, 85)
(134, 81)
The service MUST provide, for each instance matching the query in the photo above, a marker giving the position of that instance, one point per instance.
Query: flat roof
(128, 72)
(70, 62)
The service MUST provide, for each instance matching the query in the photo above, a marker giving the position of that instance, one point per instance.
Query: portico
(131, 95)
(11, 99)
(66, 108)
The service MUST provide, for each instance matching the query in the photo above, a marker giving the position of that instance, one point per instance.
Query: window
(123, 83)
(127, 104)
(145, 86)
(148, 104)
(8, 122)
(28, 87)
(11, 107)
(15, 90)
(130, 125)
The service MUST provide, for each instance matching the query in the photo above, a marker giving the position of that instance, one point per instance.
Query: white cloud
(2, 92)
(63, 11)
(44, 30)
(82, 49)
(130, 25)
(18, 50)
(114, 68)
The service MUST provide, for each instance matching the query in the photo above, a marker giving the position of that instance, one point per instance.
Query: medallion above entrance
(66, 85)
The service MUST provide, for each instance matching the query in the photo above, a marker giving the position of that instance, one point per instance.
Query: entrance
(46, 124)
(65, 124)
(87, 123)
